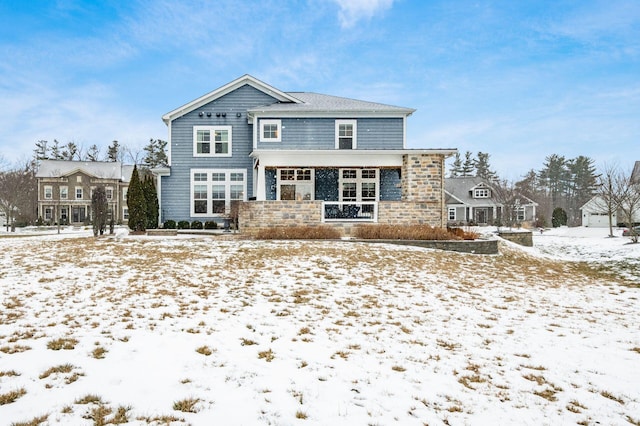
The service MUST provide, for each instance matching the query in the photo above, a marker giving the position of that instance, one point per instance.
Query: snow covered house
(473, 200)
(296, 158)
(65, 189)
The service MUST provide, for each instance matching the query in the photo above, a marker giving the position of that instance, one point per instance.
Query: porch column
(261, 191)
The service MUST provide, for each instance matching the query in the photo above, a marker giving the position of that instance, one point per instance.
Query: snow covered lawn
(205, 330)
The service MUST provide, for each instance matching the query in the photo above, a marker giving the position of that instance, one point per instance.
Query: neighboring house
(296, 158)
(65, 189)
(595, 213)
(473, 200)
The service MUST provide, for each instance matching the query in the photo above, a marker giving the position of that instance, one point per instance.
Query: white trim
(278, 124)
(212, 143)
(228, 88)
(295, 182)
(455, 213)
(358, 180)
(227, 183)
(354, 135)
(49, 189)
(339, 158)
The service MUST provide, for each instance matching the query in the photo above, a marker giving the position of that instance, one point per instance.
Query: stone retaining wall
(523, 238)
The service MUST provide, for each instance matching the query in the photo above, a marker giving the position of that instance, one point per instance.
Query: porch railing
(334, 211)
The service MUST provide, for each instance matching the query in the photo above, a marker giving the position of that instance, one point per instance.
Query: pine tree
(555, 177)
(55, 151)
(151, 198)
(93, 154)
(70, 151)
(114, 152)
(581, 186)
(136, 203)
(456, 166)
(41, 152)
(467, 166)
(156, 155)
(483, 169)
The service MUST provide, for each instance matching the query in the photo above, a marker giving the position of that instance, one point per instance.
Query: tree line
(560, 187)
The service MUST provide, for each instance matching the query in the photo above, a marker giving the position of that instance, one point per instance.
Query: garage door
(599, 220)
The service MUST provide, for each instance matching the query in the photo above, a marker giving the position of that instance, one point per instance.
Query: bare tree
(506, 194)
(607, 192)
(628, 199)
(18, 198)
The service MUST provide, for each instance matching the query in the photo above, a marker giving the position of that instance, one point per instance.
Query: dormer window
(481, 193)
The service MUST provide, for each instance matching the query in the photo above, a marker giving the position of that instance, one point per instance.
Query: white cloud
(351, 11)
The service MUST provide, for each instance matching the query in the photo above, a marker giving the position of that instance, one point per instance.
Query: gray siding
(319, 133)
(176, 188)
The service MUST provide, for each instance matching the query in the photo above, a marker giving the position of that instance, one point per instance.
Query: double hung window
(358, 185)
(346, 134)
(212, 141)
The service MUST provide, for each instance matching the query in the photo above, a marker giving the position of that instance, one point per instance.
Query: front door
(481, 215)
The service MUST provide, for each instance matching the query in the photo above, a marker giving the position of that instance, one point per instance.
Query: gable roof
(98, 169)
(291, 102)
(228, 88)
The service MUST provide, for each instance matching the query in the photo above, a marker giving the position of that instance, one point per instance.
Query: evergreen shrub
(169, 224)
(196, 224)
(183, 224)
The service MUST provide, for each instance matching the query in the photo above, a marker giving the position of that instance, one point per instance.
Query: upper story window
(48, 192)
(481, 193)
(78, 193)
(212, 141)
(346, 131)
(109, 193)
(64, 192)
(270, 130)
(124, 193)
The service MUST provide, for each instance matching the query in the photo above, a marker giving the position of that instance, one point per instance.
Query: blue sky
(520, 80)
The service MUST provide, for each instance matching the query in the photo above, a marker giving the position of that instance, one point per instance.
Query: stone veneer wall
(423, 182)
(422, 203)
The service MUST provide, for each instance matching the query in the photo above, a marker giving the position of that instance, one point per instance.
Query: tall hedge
(151, 198)
(136, 203)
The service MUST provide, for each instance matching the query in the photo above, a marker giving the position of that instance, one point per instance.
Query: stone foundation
(255, 216)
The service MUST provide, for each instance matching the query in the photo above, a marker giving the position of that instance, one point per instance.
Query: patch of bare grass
(187, 405)
(62, 343)
(36, 421)
(12, 396)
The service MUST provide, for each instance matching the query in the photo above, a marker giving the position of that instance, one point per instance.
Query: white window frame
(108, 191)
(212, 148)
(48, 213)
(48, 192)
(228, 183)
(450, 215)
(79, 188)
(64, 192)
(358, 180)
(278, 124)
(125, 191)
(481, 193)
(354, 136)
(299, 180)
(125, 213)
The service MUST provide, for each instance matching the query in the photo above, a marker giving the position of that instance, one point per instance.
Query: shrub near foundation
(411, 232)
(299, 233)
